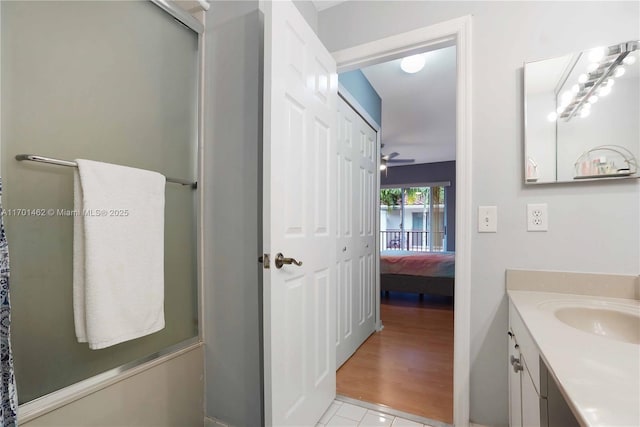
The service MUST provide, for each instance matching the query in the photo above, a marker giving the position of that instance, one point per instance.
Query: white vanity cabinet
(524, 375)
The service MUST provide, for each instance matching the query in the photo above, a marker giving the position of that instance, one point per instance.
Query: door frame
(456, 31)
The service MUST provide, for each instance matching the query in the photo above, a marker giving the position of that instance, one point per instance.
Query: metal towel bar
(42, 159)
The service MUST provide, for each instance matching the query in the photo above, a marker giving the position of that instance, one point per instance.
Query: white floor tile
(376, 419)
(353, 412)
(331, 411)
(403, 422)
(338, 421)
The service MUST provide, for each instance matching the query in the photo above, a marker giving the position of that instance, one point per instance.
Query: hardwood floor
(409, 365)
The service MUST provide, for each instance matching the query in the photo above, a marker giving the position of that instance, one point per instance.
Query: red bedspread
(426, 264)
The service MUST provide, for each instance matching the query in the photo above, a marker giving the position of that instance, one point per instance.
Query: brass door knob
(281, 260)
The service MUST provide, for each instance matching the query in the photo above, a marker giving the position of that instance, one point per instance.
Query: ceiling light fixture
(412, 64)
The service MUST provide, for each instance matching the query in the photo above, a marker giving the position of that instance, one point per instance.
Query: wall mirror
(582, 115)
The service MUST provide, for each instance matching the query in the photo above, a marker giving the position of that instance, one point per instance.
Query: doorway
(408, 365)
(458, 32)
(300, 390)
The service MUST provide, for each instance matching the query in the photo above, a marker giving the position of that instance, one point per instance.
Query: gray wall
(232, 230)
(592, 227)
(360, 88)
(426, 173)
(309, 12)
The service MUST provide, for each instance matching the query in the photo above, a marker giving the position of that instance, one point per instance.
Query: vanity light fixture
(412, 64)
(606, 63)
(596, 54)
(604, 90)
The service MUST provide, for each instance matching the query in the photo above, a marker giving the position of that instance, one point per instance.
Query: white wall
(592, 227)
(233, 213)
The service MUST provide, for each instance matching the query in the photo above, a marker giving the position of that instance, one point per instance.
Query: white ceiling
(418, 110)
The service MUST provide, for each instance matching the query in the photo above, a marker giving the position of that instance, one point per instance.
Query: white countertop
(600, 377)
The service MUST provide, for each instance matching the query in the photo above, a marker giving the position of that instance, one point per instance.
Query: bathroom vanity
(574, 349)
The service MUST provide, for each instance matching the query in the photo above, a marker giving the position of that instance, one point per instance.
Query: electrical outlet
(487, 219)
(537, 217)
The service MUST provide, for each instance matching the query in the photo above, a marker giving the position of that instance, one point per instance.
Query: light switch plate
(487, 219)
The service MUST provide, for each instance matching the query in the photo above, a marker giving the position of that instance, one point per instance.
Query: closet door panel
(357, 152)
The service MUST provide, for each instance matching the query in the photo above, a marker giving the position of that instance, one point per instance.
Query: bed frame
(443, 286)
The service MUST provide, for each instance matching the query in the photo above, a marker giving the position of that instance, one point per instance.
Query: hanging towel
(118, 253)
(8, 393)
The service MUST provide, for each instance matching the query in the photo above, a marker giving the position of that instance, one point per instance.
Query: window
(413, 218)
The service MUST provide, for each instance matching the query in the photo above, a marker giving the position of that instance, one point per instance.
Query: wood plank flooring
(409, 365)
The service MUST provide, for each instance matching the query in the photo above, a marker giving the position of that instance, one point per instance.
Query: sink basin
(606, 322)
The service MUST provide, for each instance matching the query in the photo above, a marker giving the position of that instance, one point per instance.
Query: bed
(417, 272)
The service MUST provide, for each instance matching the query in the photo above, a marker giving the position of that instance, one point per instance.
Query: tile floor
(343, 414)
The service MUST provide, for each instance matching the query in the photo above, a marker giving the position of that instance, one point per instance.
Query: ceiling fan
(386, 159)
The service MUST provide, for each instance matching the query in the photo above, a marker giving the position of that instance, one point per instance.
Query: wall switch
(537, 217)
(487, 219)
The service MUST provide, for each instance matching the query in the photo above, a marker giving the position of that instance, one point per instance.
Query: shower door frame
(49, 402)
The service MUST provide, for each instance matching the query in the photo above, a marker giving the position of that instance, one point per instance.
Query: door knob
(281, 260)
(517, 365)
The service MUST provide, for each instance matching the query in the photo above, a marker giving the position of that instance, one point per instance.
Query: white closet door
(355, 293)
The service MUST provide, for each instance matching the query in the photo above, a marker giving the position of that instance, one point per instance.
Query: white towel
(118, 253)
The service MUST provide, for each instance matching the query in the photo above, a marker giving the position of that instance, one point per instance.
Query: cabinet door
(530, 401)
(515, 388)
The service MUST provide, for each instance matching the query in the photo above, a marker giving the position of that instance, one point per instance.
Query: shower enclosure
(115, 82)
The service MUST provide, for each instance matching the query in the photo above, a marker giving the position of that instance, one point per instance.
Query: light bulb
(596, 54)
(585, 112)
(629, 60)
(582, 78)
(593, 99)
(552, 117)
(576, 88)
(412, 64)
(619, 72)
(586, 106)
(604, 90)
(592, 67)
(383, 166)
(566, 97)
(610, 82)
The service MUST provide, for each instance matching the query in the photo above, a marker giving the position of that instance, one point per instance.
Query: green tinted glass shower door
(109, 81)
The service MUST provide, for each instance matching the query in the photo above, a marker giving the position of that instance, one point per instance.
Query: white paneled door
(356, 265)
(299, 208)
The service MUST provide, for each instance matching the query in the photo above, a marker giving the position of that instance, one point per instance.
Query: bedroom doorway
(408, 365)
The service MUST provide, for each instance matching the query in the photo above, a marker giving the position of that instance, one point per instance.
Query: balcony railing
(411, 240)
